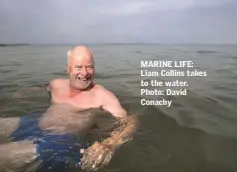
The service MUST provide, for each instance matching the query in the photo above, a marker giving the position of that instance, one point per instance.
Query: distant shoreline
(4, 45)
(135, 43)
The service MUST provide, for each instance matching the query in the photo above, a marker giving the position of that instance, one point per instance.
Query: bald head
(80, 52)
(80, 67)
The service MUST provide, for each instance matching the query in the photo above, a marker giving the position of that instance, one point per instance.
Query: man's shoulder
(109, 101)
(102, 91)
(58, 82)
(99, 88)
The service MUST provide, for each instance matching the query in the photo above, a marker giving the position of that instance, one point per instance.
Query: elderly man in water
(54, 141)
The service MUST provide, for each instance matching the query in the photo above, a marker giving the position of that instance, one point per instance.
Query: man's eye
(89, 67)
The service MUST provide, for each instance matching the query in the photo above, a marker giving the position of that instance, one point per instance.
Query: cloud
(72, 21)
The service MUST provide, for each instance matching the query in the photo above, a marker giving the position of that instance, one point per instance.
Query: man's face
(81, 71)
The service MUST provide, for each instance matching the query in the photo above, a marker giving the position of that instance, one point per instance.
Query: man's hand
(96, 156)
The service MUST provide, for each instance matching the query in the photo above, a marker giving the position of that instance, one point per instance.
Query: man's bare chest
(81, 101)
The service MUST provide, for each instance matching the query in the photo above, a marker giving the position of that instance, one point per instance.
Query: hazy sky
(104, 21)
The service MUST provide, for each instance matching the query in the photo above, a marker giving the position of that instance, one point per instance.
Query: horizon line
(110, 43)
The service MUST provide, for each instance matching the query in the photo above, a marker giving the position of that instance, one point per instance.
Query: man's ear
(68, 69)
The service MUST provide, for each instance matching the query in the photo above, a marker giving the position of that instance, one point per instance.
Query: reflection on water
(198, 132)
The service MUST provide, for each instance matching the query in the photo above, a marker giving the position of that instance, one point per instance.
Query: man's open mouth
(83, 78)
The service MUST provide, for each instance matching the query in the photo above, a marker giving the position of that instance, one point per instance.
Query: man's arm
(32, 90)
(100, 153)
(123, 134)
(128, 123)
(42, 87)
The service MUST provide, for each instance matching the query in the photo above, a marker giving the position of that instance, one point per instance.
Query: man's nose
(84, 71)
